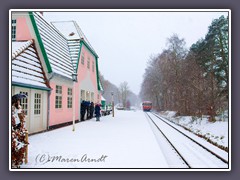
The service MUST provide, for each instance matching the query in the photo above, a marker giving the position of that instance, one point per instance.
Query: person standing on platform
(83, 110)
(91, 110)
(97, 112)
(88, 109)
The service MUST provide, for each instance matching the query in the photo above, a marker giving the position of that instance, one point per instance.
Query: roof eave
(30, 86)
(88, 47)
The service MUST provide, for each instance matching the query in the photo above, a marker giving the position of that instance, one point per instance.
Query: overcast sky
(124, 41)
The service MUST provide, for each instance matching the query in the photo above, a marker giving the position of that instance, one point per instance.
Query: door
(38, 111)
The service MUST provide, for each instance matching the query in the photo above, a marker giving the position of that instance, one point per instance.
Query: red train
(147, 105)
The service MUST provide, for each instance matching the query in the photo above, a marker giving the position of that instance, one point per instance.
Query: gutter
(98, 80)
(30, 86)
(48, 103)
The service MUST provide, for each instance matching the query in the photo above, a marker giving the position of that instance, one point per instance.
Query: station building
(56, 66)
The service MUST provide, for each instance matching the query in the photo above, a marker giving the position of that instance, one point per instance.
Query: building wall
(25, 31)
(64, 114)
(87, 78)
(22, 30)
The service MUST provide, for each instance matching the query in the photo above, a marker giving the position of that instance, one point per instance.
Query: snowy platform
(123, 141)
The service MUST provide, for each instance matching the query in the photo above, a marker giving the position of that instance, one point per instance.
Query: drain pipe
(48, 104)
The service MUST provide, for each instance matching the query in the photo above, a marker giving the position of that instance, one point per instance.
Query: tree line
(121, 94)
(191, 81)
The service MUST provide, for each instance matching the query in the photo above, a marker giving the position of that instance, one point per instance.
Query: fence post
(26, 151)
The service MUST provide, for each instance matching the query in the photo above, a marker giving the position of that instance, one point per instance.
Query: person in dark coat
(87, 107)
(83, 110)
(98, 112)
(91, 110)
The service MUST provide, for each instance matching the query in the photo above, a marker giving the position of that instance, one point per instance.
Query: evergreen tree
(212, 53)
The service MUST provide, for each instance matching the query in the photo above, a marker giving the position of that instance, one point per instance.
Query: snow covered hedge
(214, 132)
(18, 137)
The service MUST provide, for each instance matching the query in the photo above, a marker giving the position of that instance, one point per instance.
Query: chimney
(71, 34)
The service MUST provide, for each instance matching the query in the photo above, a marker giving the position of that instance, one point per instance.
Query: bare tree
(174, 80)
(124, 91)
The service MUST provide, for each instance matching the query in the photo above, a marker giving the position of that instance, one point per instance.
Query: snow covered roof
(26, 66)
(73, 33)
(67, 28)
(55, 45)
(19, 47)
(61, 43)
(74, 50)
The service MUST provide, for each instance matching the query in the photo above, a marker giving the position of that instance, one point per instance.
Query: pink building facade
(63, 52)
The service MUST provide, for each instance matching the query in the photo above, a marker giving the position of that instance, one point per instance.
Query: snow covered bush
(18, 137)
(215, 132)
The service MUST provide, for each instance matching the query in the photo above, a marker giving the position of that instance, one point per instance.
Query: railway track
(192, 153)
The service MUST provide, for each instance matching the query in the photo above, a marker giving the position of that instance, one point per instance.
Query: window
(58, 100)
(14, 22)
(82, 95)
(24, 103)
(93, 66)
(88, 63)
(37, 103)
(82, 59)
(88, 96)
(69, 99)
(92, 97)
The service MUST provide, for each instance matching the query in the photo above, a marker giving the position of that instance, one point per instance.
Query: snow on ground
(215, 131)
(123, 141)
(195, 156)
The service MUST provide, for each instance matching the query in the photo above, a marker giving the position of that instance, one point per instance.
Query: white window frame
(82, 59)
(88, 95)
(83, 95)
(37, 103)
(24, 102)
(69, 98)
(92, 96)
(58, 97)
(88, 63)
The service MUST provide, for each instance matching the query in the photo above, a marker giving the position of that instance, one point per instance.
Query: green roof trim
(98, 81)
(88, 47)
(30, 86)
(40, 42)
